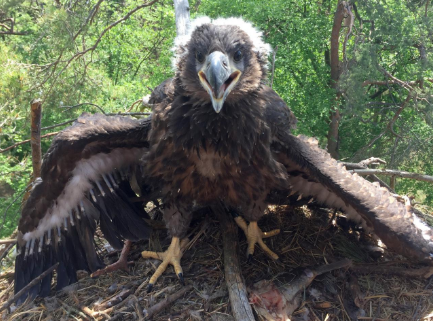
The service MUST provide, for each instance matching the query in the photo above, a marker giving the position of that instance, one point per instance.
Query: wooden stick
(36, 109)
(235, 284)
(8, 241)
(27, 287)
(154, 310)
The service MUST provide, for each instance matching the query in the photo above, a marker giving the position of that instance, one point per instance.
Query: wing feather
(84, 181)
(314, 173)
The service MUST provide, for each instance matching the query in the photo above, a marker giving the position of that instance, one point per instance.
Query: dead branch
(6, 250)
(25, 142)
(386, 83)
(27, 287)
(35, 137)
(82, 104)
(392, 172)
(114, 300)
(58, 125)
(235, 284)
(363, 165)
(8, 241)
(154, 310)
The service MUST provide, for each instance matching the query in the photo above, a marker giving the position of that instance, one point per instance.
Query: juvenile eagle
(221, 135)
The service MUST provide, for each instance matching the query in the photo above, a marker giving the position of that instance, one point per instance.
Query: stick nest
(308, 238)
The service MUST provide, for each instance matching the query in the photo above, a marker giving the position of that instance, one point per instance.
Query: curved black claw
(250, 259)
(149, 287)
(182, 280)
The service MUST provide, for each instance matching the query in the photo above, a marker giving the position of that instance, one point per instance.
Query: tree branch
(95, 45)
(26, 141)
(27, 287)
(392, 172)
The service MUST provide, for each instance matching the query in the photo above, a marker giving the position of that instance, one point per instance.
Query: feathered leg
(171, 256)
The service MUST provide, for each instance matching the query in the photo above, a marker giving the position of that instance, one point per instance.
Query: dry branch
(391, 172)
(8, 241)
(235, 284)
(35, 137)
(154, 310)
(25, 142)
(27, 287)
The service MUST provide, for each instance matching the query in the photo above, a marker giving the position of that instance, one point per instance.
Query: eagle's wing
(84, 181)
(314, 173)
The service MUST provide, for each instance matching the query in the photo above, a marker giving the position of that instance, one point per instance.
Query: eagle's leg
(255, 235)
(121, 264)
(171, 256)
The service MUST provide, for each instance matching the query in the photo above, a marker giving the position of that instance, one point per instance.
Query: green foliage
(65, 59)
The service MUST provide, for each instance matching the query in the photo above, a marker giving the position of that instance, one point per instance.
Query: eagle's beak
(218, 78)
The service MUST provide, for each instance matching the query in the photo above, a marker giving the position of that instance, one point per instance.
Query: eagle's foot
(171, 256)
(121, 264)
(255, 235)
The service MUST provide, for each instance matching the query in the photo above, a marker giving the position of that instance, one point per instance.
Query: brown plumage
(219, 134)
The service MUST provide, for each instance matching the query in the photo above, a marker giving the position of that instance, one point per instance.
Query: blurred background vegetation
(111, 53)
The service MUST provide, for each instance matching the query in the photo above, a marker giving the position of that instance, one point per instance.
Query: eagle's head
(220, 60)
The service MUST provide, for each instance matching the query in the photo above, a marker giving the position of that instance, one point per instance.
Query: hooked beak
(218, 78)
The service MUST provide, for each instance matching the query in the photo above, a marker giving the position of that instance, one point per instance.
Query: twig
(392, 172)
(25, 142)
(82, 104)
(235, 284)
(6, 251)
(154, 310)
(133, 104)
(27, 287)
(58, 125)
(118, 298)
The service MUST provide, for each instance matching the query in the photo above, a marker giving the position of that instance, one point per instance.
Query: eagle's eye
(199, 56)
(238, 56)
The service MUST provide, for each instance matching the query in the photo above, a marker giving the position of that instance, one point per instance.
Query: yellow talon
(171, 256)
(255, 235)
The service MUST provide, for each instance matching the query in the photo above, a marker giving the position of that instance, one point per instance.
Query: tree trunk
(181, 9)
(335, 75)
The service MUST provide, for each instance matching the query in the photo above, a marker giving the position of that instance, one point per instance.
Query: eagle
(218, 134)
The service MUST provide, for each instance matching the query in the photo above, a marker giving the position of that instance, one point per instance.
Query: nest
(309, 237)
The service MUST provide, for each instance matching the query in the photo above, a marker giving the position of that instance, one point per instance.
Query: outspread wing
(85, 181)
(314, 173)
